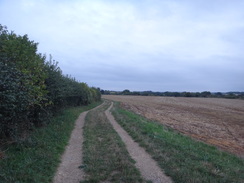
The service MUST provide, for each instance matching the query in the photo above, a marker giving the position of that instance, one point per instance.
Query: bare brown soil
(219, 122)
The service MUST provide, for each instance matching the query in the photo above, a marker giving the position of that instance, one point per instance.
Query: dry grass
(219, 122)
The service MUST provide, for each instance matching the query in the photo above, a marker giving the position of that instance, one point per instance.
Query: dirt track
(68, 170)
(219, 122)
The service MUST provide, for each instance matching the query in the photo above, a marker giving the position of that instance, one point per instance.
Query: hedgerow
(32, 88)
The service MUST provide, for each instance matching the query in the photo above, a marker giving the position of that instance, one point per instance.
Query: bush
(14, 100)
(31, 88)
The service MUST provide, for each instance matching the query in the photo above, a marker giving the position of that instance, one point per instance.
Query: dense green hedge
(32, 88)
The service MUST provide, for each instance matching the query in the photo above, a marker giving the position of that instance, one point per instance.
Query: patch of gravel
(144, 162)
(69, 171)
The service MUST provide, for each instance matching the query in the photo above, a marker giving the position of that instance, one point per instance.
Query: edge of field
(181, 157)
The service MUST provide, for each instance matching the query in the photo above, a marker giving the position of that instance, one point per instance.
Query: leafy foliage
(14, 99)
(32, 88)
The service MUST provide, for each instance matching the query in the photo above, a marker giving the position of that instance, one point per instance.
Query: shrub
(31, 88)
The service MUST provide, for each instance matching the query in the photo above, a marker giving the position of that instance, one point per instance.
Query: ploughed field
(219, 122)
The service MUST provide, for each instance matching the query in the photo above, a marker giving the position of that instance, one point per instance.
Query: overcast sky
(158, 45)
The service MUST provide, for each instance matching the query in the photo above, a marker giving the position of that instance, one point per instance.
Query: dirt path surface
(147, 166)
(68, 171)
(219, 122)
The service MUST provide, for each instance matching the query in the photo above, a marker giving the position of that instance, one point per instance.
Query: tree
(126, 92)
(205, 94)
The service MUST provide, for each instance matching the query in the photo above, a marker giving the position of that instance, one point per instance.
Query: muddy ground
(219, 122)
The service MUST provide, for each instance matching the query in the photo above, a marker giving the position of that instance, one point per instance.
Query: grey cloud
(139, 45)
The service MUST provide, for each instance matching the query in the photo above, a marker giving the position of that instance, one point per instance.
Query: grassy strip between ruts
(182, 158)
(36, 159)
(105, 156)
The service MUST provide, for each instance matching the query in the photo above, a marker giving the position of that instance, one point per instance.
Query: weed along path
(147, 166)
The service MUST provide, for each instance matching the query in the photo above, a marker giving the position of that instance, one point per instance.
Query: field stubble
(219, 122)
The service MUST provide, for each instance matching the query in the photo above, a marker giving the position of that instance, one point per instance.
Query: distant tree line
(205, 94)
(33, 88)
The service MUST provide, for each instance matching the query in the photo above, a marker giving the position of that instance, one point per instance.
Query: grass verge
(36, 158)
(181, 157)
(105, 156)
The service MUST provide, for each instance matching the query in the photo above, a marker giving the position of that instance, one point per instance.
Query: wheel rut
(144, 162)
(68, 170)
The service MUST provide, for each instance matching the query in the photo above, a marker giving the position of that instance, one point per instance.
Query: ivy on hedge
(32, 88)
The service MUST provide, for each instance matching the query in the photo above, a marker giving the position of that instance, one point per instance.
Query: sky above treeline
(140, 45)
